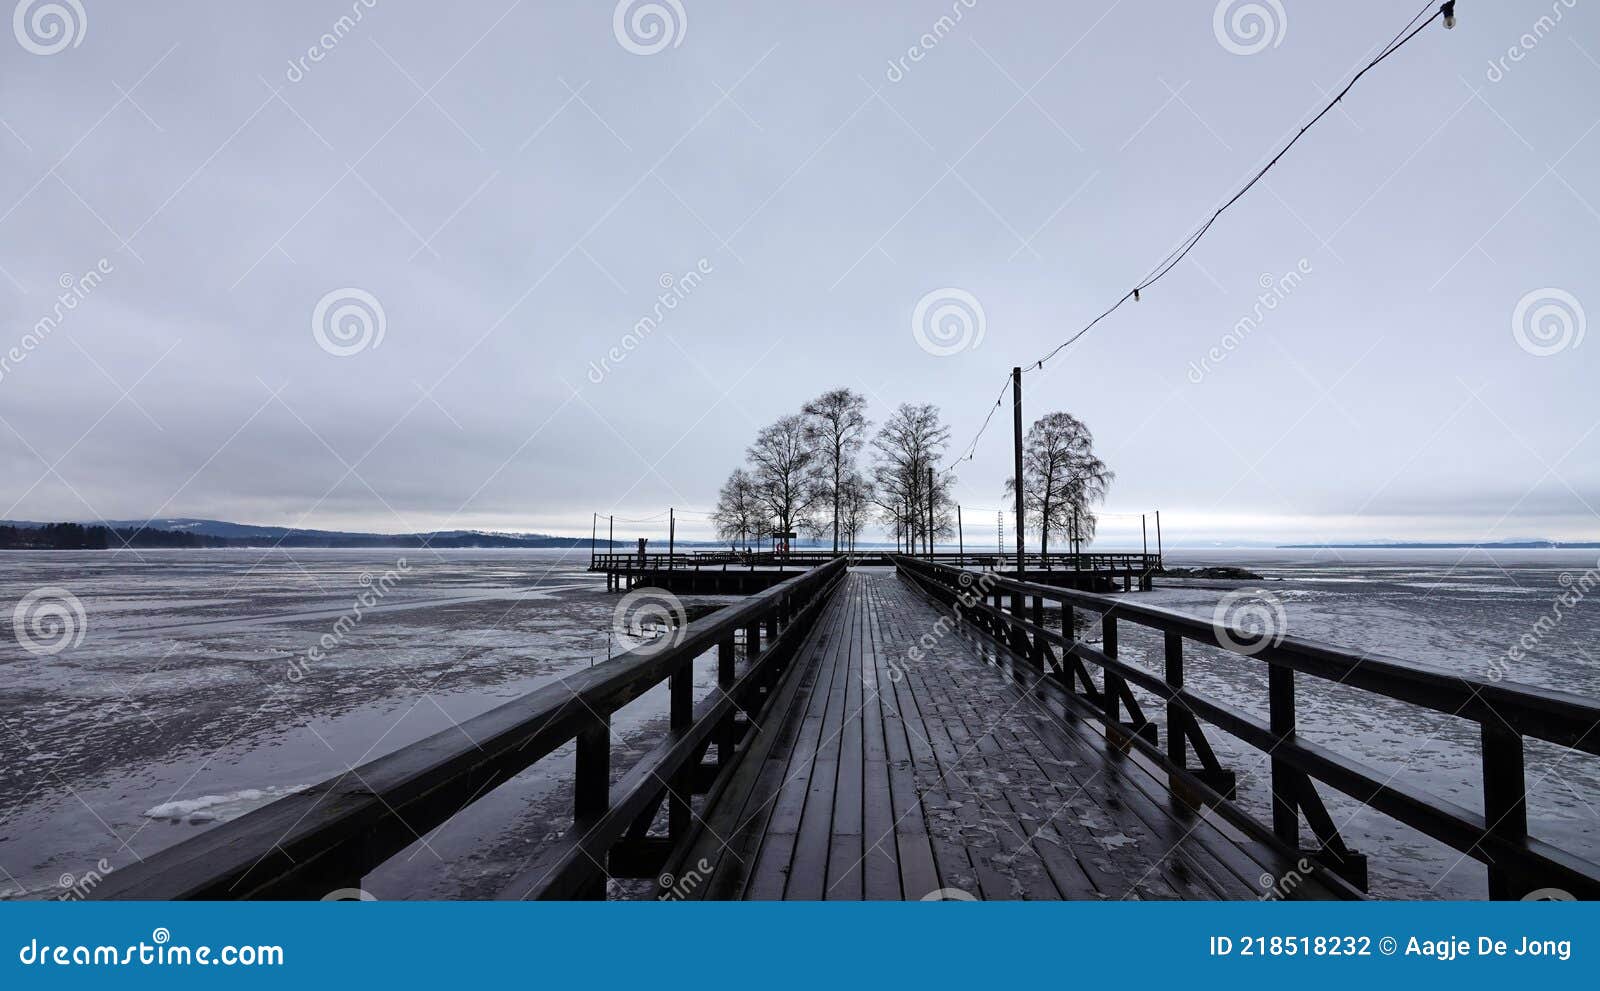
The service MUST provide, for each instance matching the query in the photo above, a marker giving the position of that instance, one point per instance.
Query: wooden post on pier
(1144, 535)
(1016, 421)
(1158, 533)
(1017, 598)
(961, 541)
(594, 531)
(930, 513)
(672, 532)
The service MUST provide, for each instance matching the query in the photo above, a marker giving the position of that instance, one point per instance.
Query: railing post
(1068, 621)
(727, 738)
(1177, 721)
(1281, 717)
(591, 788)
(1505, 804)
(1111, 699)
(1039, 646)
(681, 710)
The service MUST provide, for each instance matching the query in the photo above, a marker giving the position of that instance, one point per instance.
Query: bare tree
(1063, 478)
(836, 423)
(855, 507)
(739, 511)
(911, 442)
(780, 463)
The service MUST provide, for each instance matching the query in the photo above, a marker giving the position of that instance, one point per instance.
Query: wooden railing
(1119, 562)
(1506, 713)
(330, 835)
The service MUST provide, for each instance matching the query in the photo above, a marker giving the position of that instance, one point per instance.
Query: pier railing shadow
(329, 836)
(1011, 612)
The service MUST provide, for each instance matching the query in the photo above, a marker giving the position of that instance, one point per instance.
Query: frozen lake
(190, 699)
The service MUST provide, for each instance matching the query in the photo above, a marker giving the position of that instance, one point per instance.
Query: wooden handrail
(330, 835)
(1506, 712)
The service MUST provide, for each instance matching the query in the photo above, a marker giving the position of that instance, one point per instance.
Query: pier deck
(928, 731)
(952, 775)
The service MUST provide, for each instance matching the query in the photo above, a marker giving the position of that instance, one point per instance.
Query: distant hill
(183, 532)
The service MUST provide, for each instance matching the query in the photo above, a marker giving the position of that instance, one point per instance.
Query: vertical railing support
(1285, 782)
(1505, 803)
(1177, 718)
(681, 715)
(728, 735)
(591, 788)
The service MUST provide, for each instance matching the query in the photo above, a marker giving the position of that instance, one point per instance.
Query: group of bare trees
(803, 475)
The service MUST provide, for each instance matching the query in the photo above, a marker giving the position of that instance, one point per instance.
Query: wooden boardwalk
(946, 771)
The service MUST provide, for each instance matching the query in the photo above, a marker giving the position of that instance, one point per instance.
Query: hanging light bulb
(1449, 12)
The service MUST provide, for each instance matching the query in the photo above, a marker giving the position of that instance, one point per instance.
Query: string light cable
(1446, 11)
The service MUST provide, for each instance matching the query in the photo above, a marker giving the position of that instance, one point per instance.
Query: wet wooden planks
(908, 765)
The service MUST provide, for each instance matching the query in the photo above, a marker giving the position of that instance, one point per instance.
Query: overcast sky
(512, 183)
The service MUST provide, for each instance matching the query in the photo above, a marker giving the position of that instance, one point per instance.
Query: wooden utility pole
(961, 541)
(1016, 420)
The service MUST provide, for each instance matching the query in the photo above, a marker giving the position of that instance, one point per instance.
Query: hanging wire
(1177, 254)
